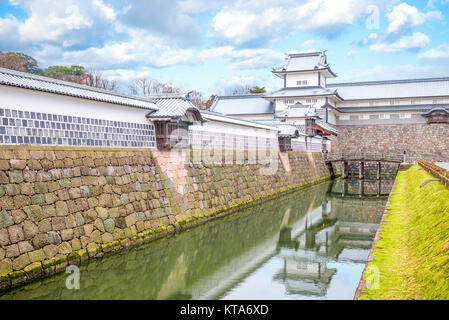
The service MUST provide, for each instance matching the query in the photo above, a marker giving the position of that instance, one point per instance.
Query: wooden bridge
(361, 158)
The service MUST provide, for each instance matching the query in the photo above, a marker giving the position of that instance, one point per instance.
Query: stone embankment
(61, 205)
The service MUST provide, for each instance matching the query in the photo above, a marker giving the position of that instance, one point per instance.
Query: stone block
(21, 201)
(18, 164)
(4, 165)
(96, 236)
(5, 219)
(61, 209)
(25, 246)
(15, 176)
(5, 266)
(33, 212)
(16, 233)
(107, 237)
(37, 255)
(58, 223)
(65, 248)
(50, 198)
(109, 225)
(4, 237)
(50, 251)
(41, 239)
(76, 244)
(67, 234)
(79, 219)
(21, 262)
(12, 251)
(102, 212)
(38, 199)
(99, 224)
(30, 229)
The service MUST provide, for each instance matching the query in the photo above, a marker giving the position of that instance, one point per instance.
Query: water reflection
(308, 245)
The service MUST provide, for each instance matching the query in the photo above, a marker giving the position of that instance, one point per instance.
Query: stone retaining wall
(421, 141)
(66, 205)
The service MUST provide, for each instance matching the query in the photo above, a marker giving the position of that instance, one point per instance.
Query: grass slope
(413, 252)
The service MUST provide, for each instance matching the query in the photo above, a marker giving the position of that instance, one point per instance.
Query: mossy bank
(65, 205)
(410, 257)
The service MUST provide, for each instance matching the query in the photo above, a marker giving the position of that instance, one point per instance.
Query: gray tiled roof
(305, 62)
(172, 106)
(299, 111)
(392, 89)
(302, 92)
(29, 81)
(289, 130)
(424, 107)
(327, 127)
(216, 116)
(440, 108)
(242, 104)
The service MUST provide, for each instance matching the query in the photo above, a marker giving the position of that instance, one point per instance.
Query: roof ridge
(245, 95)
(69, 84)
(376, 82)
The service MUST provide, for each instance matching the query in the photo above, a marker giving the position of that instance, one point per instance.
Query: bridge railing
(437, 171)
(364, 156)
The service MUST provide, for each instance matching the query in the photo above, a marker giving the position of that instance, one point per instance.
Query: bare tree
(95, 79)
(147, 86)
(237, 89)
(167, 88)
(197, 99)
(144, 86)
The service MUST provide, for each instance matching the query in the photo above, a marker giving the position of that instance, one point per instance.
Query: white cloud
(49, 20)
(431, 3)
(254, 21)
(244, 58)
(441, 53)
(404, 16)
(227, 86)
(351, 53)
(199, 6)
(415, 41)
(164, 18)
(398, 35)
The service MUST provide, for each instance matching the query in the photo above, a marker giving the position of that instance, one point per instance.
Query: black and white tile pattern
(26, 127)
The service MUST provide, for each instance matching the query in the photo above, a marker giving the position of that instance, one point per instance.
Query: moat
(311, 244)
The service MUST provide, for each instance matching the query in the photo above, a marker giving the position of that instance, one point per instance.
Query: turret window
(301, 82)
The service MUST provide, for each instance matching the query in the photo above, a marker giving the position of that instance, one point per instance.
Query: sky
(213, 45)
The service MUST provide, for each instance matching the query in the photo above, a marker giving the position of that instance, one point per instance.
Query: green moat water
(311, 244)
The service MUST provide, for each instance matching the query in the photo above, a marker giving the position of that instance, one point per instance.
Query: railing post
(379, 166)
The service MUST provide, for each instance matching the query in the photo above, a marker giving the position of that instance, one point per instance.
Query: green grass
(412, 255)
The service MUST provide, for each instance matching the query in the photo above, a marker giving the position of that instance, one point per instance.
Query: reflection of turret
(286, 241)
(304, 273)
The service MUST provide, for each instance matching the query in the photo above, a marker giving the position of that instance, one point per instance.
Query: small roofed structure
(285, 135)
(437, 115)
(172, 120)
